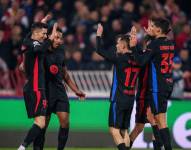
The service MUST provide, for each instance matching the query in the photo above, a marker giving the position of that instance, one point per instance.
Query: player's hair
(162, 23)
(39, 25)
(124, 37)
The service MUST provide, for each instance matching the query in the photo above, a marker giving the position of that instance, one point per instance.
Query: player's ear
(159, 31)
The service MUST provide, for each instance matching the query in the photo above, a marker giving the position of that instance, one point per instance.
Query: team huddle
(143, 74)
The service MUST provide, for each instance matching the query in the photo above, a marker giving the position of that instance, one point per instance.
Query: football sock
(158, 140)
(156, 146)
(128, 148)
(165, 136)
(121, 146)
(32, 134)
(62, 138)
(131, 144)
(38, 143)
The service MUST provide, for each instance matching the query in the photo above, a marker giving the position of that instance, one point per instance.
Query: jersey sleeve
(41, 47)
(144, 57)
(107, 54)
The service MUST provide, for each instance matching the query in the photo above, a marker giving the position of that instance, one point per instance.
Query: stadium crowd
(78, 20)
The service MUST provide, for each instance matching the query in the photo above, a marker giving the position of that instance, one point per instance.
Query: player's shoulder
(35, 43)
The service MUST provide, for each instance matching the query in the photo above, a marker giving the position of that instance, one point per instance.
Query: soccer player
(159, 53)
(123, 87)
(34, 48)
(143, 111)
(58, 102)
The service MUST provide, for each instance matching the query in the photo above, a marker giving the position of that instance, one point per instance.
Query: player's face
(121, 46)
(41, 34)
(154, 29)
(150, 28)
(58, 40)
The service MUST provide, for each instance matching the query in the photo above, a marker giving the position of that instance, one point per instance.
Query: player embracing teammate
(158, 55)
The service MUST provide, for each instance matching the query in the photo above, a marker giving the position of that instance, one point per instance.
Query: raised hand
(133, 37)
(99, 30)
(54, 31)
(46, 18)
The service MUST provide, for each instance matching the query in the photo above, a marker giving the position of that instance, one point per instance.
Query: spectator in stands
(186, 63)
(178, 88)
(70, 45)
(75, 63)
(183, 36)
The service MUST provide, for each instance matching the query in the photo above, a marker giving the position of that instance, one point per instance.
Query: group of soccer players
(152, 67)
(144, 74)
(44, 93)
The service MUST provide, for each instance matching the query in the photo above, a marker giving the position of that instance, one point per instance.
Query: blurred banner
(91, 116)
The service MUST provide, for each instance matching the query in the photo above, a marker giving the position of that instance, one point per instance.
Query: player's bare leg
(126, 138)
(135, 132)
(38, 143)
(118, 138)
(163, 130)
(64, 129)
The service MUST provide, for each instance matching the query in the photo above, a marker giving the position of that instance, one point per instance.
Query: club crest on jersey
(36, 43)
(54, 69)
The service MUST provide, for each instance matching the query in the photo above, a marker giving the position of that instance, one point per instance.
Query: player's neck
(161, 36)
(35, 38)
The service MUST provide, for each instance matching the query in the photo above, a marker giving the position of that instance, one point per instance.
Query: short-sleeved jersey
(125, 74)
(159, 53)
(54, 64)
(34, 52)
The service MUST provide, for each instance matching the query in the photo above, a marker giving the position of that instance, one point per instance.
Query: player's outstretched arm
(108, 54)
(72, 85)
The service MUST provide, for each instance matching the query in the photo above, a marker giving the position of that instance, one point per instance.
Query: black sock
(156, 146)
(121, 146)
(165, 136)
(38, 143)
(62, 138)
(128, 148)
(158, 141)
(32, 134)
(131, 144)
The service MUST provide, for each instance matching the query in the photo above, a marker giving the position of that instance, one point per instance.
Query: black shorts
(35, 102)
(141, 110)
(119, 116)
(58, 106)
(159, 102)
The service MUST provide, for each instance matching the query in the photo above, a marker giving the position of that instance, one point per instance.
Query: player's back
(160, 73)
(124, 80)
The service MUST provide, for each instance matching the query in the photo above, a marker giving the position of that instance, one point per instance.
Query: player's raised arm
(72, 85)
(46, 19)
(143, 58)
(108, 54)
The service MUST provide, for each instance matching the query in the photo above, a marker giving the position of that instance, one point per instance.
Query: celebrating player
(159, 53)
(57, 98)
(34, 48)
(143, 111)
(123, 88)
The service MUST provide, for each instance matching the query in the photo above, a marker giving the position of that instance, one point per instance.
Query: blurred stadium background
(78, 20)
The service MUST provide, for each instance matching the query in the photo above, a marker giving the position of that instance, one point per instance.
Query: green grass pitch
(75, 149)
